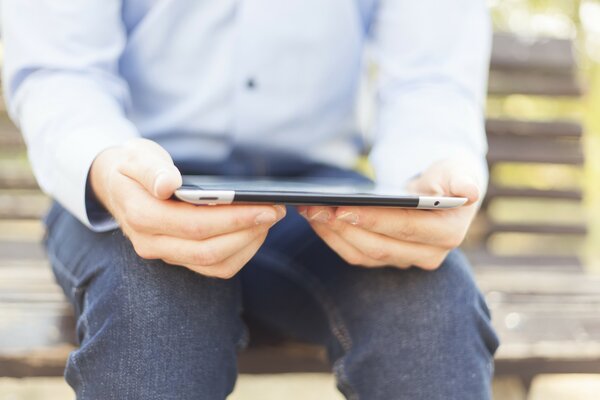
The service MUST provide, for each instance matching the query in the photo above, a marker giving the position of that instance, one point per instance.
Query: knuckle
(142, 249)
(408, 228)
(453, 241)
(228, 273)
(205, 255)
(403, 265)
(367, 221)
(239, 221)
(433, 262)
(378, 253)
(354, 259)
(135, 217)
(196, 230)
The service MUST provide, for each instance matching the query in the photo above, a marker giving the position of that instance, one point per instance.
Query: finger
(205, 253)
(345, 250)
(443, 228)
(144, 214)
(388, 251)
(151, 166)
(303, 211)
(231, 266)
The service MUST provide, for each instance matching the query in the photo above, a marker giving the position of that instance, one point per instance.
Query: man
(117, 98)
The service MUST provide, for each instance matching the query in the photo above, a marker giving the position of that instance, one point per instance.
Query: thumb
(464, 186)
(447, 180)
(152, 167)
(427, 184)
(166, 181)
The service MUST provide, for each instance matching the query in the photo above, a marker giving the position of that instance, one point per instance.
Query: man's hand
(135, 181)
(377, 237)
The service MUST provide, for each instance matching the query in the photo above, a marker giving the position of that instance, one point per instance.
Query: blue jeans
(149, 330)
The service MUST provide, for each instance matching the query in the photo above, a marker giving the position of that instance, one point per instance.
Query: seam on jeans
(75, 365)
(58, 264)
(338, 328)
(129, 260)
(339, 371)
(86, 326)
(312, 286)
(83, 315)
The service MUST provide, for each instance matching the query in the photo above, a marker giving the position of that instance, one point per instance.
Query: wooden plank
(25, 329)
(25, 204)
(38, 363)
(17, 176)
(542, 365)
(512, 52)
(535, 83)
(529, 149)
(283, 358)
(12, 250)
(572, 229)
(23, 265)
(20, 231)
(559, 333)
(550, 129)
(526, 279)
(10, 137)
(484, 260)
(524, 192)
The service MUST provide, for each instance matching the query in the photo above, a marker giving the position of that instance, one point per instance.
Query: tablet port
(437, 203)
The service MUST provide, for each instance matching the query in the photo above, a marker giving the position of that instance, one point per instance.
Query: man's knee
(411, 326)
(150, 324)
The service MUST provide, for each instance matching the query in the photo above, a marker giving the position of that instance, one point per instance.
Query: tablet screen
(267, 184)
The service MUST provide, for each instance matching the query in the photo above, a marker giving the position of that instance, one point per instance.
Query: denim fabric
(149, 330)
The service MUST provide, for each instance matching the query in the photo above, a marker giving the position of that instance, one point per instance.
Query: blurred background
(579, 21)
(535, 246)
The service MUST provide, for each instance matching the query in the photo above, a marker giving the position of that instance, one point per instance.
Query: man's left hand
(402, 237)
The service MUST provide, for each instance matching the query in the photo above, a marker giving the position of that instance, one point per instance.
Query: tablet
(214, 190)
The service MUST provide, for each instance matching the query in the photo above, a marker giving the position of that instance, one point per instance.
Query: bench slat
(19, 249)
(574, 229)
(520, 192)
(23, 204)
(511, 52)
(549, 129)
(529, 149)
(17, 177)
(535, 83)
(483, 260)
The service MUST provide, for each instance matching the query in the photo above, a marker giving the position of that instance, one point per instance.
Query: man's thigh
(146, 329)
(389, 332)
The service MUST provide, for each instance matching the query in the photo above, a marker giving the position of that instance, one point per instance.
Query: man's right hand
(135, 182)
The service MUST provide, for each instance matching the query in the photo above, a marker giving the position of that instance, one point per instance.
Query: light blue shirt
(200, 77)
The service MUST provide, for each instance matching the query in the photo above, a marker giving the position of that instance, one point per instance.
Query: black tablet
(213, 190)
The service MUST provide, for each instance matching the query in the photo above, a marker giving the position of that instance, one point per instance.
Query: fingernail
(349, 218)
(161, 177)
(322, 216)
(265, 217)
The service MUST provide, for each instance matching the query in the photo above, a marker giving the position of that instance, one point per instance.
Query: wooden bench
(545, 308)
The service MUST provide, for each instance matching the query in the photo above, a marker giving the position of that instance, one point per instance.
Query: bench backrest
(529, 159)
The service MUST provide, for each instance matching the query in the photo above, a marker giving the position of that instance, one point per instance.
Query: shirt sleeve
(64, 91)
(433, 60)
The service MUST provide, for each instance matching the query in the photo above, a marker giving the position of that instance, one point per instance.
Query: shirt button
(250, 84)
